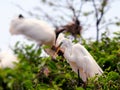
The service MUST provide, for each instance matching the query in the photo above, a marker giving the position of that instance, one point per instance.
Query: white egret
(34, 29)
(80, 60)
(7, 60)
(37, 30)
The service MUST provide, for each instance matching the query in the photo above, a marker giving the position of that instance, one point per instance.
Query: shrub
(34, 72)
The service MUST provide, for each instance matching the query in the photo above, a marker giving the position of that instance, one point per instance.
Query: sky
(8, 10)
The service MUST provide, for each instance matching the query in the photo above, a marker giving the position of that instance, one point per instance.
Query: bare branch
(49, 18)
(96, 11)
(70, 6)
(81, 5)
(21, 8)
(99, 15)
(107, 24)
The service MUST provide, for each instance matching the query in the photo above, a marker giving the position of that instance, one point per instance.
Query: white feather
(7, 60)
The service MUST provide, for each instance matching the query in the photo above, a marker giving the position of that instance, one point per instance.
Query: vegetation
(34, 72)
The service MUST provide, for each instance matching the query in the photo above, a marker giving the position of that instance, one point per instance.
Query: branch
(70, 6)
(111, 23)
(102, 11)
(96, 12)
(48, 17)
(99, 16)
(81, 5)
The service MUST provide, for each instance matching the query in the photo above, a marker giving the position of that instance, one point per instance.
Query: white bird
(34, 29)
(7, 60)
(80, 60)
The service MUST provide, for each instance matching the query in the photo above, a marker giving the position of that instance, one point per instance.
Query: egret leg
(84, 85)
(79, 83)
(78, 78)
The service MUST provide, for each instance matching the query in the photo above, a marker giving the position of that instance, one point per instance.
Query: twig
(111, 23)
(81, 5)
(96, 12)
(46, 15)
(70, 6)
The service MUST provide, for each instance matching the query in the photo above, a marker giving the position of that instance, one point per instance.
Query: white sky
(8, 10)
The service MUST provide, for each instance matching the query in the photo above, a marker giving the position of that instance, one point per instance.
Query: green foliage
(106, 52)
(34, 72)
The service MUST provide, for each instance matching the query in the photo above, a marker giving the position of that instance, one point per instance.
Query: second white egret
(80, 60)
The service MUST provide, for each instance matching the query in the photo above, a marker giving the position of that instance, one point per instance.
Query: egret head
(63, 44)
(66, 43)
(15, 23)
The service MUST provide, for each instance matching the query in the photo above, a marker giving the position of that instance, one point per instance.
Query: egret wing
(91, 68)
